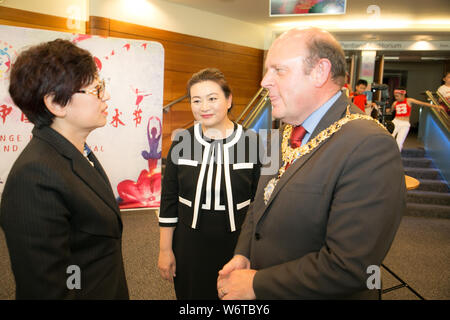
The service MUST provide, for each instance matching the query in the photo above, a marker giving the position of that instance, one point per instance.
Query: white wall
(61, 8)
(152, 13)
(177, 18)
(76, 11)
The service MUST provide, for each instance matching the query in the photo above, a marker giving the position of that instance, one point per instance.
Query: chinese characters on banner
(129, 146)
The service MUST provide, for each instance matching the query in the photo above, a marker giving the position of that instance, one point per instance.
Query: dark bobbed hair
(324, 48)
(210, 74)
(58, 68)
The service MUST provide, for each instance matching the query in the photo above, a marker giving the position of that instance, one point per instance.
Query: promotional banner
(129, 146)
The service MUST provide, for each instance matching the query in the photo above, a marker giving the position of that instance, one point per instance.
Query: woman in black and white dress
(210, 179)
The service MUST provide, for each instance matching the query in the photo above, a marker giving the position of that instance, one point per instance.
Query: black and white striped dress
(207, 188)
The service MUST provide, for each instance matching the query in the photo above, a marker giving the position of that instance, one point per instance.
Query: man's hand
(238, 285)
(238, 262)
(235, 280)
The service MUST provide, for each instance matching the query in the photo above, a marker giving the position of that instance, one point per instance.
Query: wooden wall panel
(147, 32)
(179, 57)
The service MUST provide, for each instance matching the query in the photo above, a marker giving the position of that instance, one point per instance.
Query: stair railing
(166, 108)
(440, 114)
(253, 108)
(445, 101)
(431, 97)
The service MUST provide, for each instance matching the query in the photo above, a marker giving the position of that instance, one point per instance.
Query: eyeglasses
(98, 91)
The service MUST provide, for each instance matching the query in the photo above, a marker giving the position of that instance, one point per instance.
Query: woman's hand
(166, 264)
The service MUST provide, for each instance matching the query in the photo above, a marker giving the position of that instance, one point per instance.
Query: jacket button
(257, 236)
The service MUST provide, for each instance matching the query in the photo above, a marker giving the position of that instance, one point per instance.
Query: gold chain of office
(290, 154)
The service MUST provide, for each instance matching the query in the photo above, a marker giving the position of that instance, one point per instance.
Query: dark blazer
(334, 212)
(58, 210)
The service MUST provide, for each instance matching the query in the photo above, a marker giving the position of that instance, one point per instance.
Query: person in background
(346, 87)
(402, 107)
(205, 194)
(359, 98)
(444, 90)
(314, 228)
(61, 221)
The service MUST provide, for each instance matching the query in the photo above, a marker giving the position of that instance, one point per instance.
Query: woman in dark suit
(61, 221)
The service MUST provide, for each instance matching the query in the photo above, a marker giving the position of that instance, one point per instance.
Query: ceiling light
(434, 58)
(421, 45)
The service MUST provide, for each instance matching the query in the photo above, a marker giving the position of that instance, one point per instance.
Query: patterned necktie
(297, 135)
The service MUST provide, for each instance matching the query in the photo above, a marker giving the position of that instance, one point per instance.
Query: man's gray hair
(325, 48)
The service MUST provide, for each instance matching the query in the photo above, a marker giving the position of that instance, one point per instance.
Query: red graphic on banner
(137, 116)
(98, 63)
(5, 111)
(140, 96)
(96, 59)
(116, 121)
(81, 37)
(23, 118)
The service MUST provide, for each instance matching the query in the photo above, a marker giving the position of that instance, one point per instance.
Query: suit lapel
(335, 113)
(95, 179)
(100, 170)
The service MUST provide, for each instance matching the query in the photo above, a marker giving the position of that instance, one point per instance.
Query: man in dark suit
(333, 209)
(58, 212)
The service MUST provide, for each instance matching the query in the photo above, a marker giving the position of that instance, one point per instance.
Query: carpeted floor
(420, 256)
(140, 250)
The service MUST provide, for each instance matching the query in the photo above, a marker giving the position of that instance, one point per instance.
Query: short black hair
(361, 81)
(57, 68)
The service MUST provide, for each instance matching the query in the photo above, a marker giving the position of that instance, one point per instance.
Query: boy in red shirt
(358, 97)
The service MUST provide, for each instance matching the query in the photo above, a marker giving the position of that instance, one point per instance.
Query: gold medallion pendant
(290, 154)
(269, 189)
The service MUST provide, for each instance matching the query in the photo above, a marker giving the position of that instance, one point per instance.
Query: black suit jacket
(58, 210)
(333, 213)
